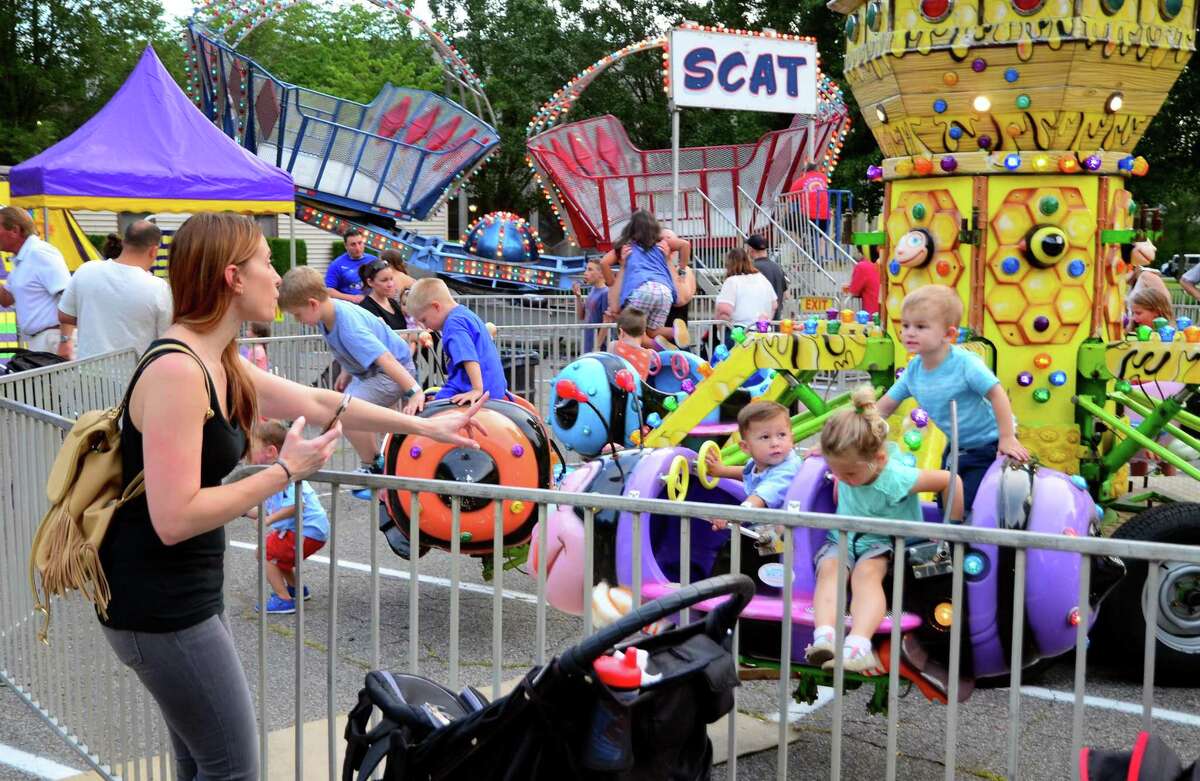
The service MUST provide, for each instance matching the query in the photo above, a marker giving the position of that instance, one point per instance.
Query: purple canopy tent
(150, 150)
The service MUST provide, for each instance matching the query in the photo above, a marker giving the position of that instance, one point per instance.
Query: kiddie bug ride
(1014, 176)
(1006, 182)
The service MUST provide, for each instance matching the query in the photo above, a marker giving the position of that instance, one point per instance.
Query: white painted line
(33, 764)
(387, 572)
(798, 710)
(1178, 717)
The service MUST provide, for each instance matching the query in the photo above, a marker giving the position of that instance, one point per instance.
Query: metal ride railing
(75, 684)
(532, 355)
(803, 258)
(708, 253)
(67, 389)
(101, 711)
(545, 310)
(792, 214)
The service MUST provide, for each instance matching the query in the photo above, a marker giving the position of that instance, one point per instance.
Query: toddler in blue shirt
(942, 372)
(280, 514)
(765, 433)
(472, 361)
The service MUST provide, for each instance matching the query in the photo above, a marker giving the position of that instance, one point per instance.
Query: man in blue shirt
(472, 360)
(341, 278)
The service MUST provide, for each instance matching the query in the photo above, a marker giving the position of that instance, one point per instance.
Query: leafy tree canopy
(348, 51)
(62, 59)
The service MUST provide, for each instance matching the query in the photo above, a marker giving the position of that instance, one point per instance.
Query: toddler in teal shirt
(872, 482)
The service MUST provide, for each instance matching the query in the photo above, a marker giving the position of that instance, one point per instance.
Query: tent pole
(292, 240)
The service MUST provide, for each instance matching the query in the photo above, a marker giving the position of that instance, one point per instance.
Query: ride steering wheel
(707, 480)
(676, 478)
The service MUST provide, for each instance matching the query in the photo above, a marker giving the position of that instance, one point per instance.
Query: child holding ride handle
(941, 372)
(872, 482)
(765, 434)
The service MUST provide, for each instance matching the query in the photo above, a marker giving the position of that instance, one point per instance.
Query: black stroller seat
(562, 721)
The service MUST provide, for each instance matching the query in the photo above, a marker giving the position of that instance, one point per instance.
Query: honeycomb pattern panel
(1041, 240)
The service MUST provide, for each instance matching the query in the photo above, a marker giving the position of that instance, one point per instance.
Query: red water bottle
(610, 747)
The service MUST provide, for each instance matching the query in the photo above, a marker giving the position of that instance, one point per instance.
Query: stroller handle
(579, 658)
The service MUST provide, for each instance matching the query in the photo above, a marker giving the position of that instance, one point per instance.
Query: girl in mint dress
(872, 482)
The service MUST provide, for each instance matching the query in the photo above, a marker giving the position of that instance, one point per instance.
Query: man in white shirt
(38, 279)
(118, 303)
(1190, 280)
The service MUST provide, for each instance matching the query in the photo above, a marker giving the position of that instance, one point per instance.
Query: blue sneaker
(279, 607)
(376, 468)
(292, 593)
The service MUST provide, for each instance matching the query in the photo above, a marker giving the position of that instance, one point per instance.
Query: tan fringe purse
(85, 491)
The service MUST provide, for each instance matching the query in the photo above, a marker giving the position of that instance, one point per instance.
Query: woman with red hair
(190, 408)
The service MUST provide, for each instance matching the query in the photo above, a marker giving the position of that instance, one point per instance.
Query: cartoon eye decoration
(915, 248)
(1045, 245)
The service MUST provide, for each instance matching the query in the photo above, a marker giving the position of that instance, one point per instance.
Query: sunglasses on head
(377, 266)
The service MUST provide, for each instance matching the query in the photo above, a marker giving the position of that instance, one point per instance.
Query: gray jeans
(196, 678)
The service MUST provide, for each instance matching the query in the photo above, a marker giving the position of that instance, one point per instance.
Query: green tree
(348, 51)
(1171, 145)
(61, 60)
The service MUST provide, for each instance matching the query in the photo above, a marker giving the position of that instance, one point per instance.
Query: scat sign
(742, 71)
(915, 248)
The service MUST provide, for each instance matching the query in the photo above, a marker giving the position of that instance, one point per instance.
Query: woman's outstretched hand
(456, 427)
(305, 456)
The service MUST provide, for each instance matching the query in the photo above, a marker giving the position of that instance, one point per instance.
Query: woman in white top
(746, 295)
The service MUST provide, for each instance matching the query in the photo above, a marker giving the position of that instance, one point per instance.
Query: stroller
(562, 720)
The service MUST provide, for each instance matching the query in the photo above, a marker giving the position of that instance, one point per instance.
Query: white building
(318, 242)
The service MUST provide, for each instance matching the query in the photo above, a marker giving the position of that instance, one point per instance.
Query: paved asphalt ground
(1046, 725)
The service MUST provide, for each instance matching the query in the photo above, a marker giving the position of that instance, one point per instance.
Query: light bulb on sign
(982, 104)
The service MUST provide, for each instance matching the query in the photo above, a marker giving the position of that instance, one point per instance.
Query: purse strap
(172, 347)
(137, 486)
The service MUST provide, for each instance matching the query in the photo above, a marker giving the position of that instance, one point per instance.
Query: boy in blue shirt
(376, 362)
(942, 372)
(266, 442)
(591, 310)
(472, 361)
(765, 433)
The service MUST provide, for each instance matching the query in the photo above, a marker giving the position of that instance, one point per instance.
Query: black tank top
(166, 588)
(394, 319)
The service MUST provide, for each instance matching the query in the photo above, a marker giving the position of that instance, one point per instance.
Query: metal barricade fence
(74, 684)
(101, 711)
(531, 355)
(67, 389)
(552, 310)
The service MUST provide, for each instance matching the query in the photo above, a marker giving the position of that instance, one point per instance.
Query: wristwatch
(63, 339)
(408, 394)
